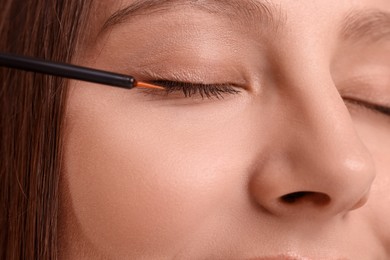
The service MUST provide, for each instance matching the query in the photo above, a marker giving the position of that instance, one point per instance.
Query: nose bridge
(322, 160)
(327, 154)
(321, 119)
(320, 115)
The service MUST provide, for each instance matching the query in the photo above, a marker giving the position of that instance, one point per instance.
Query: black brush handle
(66, 71)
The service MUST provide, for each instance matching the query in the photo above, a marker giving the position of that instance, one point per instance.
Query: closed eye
(368, 105)
(189, 89)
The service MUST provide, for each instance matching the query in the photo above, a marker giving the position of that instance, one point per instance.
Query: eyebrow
(367, 26)
(252, 10)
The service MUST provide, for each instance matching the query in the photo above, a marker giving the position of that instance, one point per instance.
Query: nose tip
(319, 191)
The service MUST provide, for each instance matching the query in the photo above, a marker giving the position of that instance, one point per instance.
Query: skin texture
(150, 176)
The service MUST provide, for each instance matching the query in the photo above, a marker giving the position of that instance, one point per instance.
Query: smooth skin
(295, 166)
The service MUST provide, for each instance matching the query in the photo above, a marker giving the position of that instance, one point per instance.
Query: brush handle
(67, 71)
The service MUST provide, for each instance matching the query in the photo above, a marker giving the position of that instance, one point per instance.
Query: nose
(318, 165)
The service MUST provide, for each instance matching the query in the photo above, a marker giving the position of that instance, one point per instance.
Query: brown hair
(31, 123)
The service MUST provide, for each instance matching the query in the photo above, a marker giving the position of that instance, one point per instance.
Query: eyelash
(190, 89)
(371, 107)
(220, 90)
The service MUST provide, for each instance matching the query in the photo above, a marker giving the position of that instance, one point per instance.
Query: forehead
(369, 19)
(286, 5)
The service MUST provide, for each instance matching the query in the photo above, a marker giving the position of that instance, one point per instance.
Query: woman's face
(286, 155)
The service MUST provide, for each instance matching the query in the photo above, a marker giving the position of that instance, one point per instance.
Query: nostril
(317, 198)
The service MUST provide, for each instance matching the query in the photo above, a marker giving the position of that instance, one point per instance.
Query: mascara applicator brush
(72, 72)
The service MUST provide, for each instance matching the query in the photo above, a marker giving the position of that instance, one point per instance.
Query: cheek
(380, 196)
(377, 139)
(144, 180)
